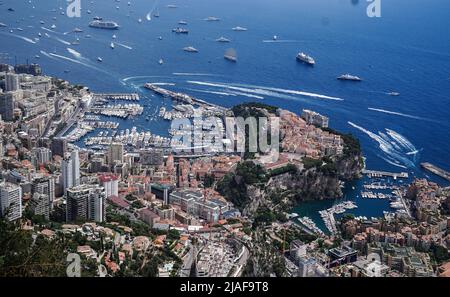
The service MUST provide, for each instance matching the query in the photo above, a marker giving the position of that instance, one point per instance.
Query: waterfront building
(10, 201)
(314, 118)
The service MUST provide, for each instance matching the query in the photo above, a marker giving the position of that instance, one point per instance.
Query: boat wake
(60, 57)
(265, 91)
(124, 45)
(397, 149)
(21, 37)
(163, 84)
(213, 92)
(280, 41)
(399, 114)
(62, 41)
(192, 74)
(143, 77)
(74, 53)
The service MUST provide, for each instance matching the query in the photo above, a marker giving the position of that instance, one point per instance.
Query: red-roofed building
(111, 184)
(117, 201)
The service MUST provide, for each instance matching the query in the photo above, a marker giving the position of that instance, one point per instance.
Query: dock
(375, 173)
(116, 96)
(184, 98)
(436, 170)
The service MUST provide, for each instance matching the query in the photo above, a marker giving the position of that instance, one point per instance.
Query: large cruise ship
(104, 25)
(305, 58)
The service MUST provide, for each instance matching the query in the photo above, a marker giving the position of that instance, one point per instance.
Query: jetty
(376, 173)
(436, 170)
(116, 96)
(184, 98)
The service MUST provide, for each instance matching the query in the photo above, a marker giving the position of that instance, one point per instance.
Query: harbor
(328, 214)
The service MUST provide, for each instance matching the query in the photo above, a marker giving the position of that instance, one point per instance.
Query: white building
(111, 184)
(70, 171)
(10, 201)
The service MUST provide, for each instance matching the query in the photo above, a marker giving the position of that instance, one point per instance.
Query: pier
(116, 96)
(184, 98)
(375, 173)
(436, 170)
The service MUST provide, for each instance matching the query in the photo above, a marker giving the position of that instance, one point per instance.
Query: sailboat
(161, 61)
(112, 45)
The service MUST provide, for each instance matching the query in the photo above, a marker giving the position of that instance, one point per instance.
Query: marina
(328, 214)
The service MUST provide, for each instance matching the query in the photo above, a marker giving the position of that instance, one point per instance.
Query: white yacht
(239, 29)
(223, 39)
(305, 58)
(349, 77)
(190, 49)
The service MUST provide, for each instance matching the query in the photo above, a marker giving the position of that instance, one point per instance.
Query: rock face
(304, 185)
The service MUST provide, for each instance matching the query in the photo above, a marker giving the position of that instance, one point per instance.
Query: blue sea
(406, 50)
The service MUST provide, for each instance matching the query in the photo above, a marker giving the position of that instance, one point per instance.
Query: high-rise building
(111, 184)
(59, 146)
(11, 82)
(10, 201)
(43, 155)
(66, 174)
(115, 153)
(40, 205)
(7, 105)
(85, 202)
(44, 185)
(70, 171)
(75, 167)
